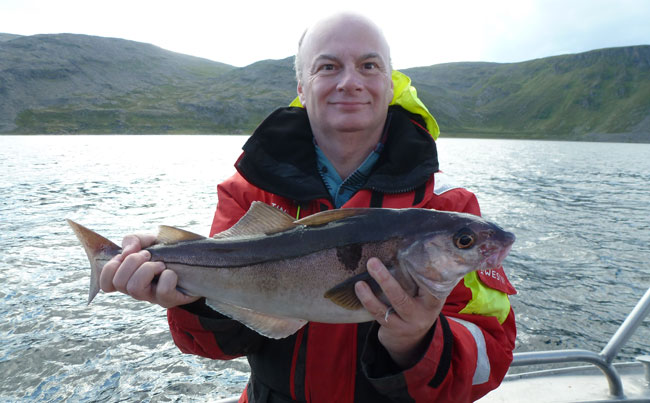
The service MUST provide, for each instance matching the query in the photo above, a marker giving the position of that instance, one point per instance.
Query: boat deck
(575, 384)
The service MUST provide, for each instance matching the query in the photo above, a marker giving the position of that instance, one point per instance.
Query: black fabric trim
(199, 308)
(271, 367)
(380, 371)
(324, 207)
(249, 390)
(362, 387)
(445, 357)
(299, 375)
(280, 158)
(232, 337)
(258, 392)
(419, 194)
(409, 157)
(302, 207)
(376, 199)
(364, 390)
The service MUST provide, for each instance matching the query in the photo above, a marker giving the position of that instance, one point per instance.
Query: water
(581, 212)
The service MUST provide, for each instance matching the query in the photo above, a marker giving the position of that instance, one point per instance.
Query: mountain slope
(64, 82)
(8, 37)
(83, 84)
(592, 93)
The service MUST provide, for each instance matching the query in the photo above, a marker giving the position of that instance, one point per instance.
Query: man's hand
(133, 274)
(403, 330)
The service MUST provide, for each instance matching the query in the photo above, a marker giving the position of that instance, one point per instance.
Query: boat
(601, 380)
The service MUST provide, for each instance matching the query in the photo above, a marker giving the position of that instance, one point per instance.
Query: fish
(275, 273)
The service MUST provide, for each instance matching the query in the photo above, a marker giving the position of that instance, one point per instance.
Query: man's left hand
(404, 328)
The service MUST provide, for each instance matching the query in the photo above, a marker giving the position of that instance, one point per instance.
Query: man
(346, 147)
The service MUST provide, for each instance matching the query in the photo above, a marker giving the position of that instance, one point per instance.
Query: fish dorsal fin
(275, 327)
(260, 219)
(171, 235)
(328, 216)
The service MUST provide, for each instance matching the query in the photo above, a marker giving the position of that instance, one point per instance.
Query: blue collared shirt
(342, 190)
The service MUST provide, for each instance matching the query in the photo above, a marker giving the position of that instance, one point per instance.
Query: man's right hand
(133, 274)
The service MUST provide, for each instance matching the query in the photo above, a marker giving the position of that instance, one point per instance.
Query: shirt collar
(341, 190)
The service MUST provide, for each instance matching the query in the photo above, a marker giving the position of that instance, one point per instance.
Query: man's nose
(351, 80)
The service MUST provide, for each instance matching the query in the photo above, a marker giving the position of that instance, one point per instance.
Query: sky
(420, 32)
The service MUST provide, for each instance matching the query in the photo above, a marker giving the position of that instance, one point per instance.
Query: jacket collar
(280, 158)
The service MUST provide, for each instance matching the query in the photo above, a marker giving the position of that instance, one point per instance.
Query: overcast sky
(421, 33)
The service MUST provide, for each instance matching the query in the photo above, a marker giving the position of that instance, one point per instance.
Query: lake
(581, 213)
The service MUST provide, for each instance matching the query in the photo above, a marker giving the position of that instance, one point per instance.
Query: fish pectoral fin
(260, 219)
(328, 216)
(273, 326)
(343, 293)
(170, 235)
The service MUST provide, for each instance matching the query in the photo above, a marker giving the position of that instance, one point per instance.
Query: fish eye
(464, 239)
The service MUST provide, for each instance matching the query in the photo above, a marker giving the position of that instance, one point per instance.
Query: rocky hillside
(583, 96)
(83, 84)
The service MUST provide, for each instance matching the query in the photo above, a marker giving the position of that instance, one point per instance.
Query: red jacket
(471, 343)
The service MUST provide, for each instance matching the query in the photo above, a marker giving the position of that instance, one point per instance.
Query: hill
(7, 37)
(598, 95)
(69, 83)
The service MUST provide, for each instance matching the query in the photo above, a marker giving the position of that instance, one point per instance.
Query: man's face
(346, 82)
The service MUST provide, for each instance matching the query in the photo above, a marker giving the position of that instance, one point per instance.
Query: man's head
(344, 75)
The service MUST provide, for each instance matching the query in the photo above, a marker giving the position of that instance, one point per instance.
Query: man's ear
(301, 94)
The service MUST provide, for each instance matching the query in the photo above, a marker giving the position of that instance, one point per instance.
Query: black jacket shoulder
(280, 157)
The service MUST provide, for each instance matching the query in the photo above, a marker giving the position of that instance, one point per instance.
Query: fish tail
(98, 249)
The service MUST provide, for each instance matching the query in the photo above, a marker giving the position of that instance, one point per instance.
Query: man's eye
(370, 66)
(327, 67)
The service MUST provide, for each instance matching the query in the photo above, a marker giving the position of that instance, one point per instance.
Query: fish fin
(171, 235)
(261, 219)
(328, 216)
(343, 293)
(275, 327)
(96, 247)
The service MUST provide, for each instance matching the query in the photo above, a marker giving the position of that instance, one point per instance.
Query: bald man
(353, 142)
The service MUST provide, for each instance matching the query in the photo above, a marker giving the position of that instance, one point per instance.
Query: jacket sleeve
(197, 329)
(471, 343)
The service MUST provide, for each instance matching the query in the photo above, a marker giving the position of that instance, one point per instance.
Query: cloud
(559, 27)
(421, 32)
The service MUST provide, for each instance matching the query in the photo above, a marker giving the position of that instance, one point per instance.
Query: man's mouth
(349, 103)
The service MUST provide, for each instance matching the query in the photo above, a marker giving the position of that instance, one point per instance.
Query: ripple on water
(579, 263)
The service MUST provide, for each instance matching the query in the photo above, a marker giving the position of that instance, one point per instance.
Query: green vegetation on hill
(578, 96)
(82, 84)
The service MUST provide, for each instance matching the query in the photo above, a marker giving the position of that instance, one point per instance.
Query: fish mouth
(496, 253)
(496, 257)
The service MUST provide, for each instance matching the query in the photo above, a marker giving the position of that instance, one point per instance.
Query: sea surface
(581, 213)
